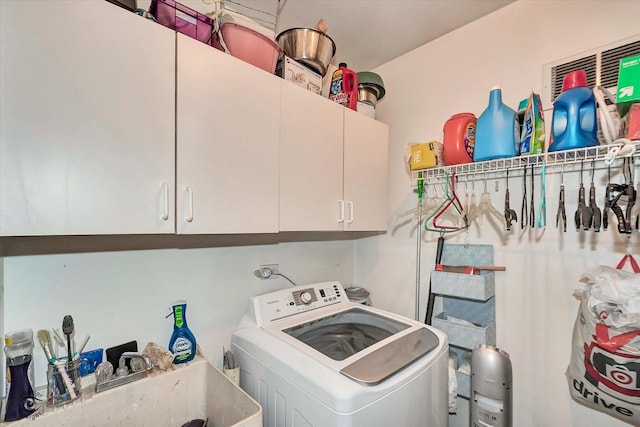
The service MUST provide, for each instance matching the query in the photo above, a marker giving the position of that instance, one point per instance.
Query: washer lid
(380, 364)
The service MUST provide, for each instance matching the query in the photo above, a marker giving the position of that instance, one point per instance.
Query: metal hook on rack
(465, 207)
(425, 189)
(561, 214)
(584, 214)
(631, 194)
(532, 209)
(596, 213)
(437, 186)
(523, 210)
(509, 214)
(634, 218)
(473, 212)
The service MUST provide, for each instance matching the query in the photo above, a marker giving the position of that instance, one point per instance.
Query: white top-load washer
(311, 357)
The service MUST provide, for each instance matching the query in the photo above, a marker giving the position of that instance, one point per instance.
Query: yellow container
(423, 156)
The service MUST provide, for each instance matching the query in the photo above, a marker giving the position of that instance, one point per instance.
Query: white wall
(125, 295)
(535, 307)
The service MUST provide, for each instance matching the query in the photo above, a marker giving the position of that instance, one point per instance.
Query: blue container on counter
(497, 130)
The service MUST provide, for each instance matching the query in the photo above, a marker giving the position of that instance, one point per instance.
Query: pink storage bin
(250, 46)
(182, 19)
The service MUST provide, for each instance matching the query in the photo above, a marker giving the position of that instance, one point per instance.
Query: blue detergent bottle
(497, 130)
(182, 343)
(574, 123)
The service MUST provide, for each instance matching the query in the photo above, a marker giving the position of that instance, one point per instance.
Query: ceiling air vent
(601, 65)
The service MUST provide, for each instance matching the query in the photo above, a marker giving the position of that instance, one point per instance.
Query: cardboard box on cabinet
(296, 73)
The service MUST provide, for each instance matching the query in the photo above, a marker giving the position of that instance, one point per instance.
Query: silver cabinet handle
(189, 216)
(350, 210)
(165, 215)
(340, 211)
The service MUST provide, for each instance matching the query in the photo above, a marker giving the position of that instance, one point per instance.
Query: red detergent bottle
(459, 139)
(344, 87)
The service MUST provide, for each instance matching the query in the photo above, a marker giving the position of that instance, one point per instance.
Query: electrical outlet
(275, 270)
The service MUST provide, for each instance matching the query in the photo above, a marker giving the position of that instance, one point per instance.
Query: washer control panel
(298, 299)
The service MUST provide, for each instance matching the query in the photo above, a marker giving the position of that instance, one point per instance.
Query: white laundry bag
(604, 370)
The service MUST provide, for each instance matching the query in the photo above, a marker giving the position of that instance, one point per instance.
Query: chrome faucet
(140, 365)
(139, 361)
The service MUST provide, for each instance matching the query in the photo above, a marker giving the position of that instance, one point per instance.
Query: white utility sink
(191, 391)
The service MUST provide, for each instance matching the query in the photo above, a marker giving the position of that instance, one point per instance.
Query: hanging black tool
(432, 297)
(509, 214)
(613, 195)
(523, 210)
(532, 209)
(607, 201)
(596, 214)
(561, 212)
(583, 215)
(631, 193)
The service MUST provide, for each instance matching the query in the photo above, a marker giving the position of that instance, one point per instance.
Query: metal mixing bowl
(311, 47)
(373, 81)
(368, 95)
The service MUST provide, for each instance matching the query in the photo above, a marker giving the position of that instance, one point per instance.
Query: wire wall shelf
(601, 157)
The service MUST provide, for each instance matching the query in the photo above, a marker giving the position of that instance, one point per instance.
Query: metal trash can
(491, 399)
(358, 295)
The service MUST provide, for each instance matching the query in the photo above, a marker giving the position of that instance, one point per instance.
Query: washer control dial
(306, 297)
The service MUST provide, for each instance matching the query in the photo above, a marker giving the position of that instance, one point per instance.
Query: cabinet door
(228, 122)
(366, 154)
(87, 132)
(310, 161)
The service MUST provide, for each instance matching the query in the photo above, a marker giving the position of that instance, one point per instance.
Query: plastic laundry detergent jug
(459, 139)
(497, 130)
(344, 87)
(573, 124)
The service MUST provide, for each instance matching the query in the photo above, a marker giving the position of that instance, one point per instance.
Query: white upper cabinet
(228, 121)
(87, 130)
(333, 166)
(310, 162)
(366, 154)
